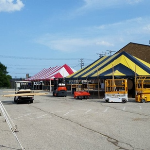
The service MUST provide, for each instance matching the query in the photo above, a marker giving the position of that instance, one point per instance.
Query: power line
(34, 58)
(75, 65)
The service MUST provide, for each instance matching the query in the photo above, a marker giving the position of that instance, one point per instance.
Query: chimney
(27, 76)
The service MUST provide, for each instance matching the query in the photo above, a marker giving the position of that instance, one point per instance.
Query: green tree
(4, 77)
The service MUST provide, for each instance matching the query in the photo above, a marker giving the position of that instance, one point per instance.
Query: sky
(37, 34)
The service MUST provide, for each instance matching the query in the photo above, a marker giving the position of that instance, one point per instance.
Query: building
(140, 51)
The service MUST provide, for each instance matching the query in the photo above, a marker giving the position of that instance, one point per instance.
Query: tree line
(4, 77)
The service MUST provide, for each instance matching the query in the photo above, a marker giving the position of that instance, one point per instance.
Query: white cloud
(126, 27)
(134, 1)
(72, 44)
(104, 43)
(10, 5)
(107, 36)
(147, 28)
(133, 30)
(92, 4)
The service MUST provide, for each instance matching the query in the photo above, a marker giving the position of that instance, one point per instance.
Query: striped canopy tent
(38, 75)
(120, 65)
(52, 72)
(61, 72)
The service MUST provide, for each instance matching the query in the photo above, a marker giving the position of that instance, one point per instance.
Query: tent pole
(135, 80)
(33, 85)
(38, 84)
(98, 89)
(78, 85)
(87, 84)
(71, 86)
(98, 83)
(113, 88)
(50, 86)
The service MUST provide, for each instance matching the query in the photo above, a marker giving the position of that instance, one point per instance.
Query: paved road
(63, 123)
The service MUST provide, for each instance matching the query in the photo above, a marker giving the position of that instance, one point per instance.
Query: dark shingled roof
(138, 50)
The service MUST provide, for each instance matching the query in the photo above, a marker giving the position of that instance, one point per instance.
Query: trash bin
(73, 90)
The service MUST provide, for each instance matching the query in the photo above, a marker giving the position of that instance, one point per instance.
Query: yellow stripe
(86, 75)
(121, 60)
(142, 61)
(126, 62)
(91, 66)
(114, 63)
(105, 68)
(116, 73)
(131, 65)
(73, 73)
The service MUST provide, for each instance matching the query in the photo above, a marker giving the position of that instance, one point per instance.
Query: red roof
(51, 73)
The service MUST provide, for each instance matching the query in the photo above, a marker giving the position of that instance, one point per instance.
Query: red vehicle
(81, 95)
(59, 87)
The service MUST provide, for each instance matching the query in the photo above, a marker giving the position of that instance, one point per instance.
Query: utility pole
(82, 64)
(110, 51)
(100, 55)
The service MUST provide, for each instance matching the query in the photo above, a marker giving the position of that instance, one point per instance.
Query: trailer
(142, 92)
(23, 92)
(116, 90)
(81, 94)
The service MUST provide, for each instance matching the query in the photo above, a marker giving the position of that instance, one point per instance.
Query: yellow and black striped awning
(120, 64)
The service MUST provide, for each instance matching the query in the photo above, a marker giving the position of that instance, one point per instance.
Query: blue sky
(37, 34)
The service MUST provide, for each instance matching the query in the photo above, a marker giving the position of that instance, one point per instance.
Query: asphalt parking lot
(63, 123)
